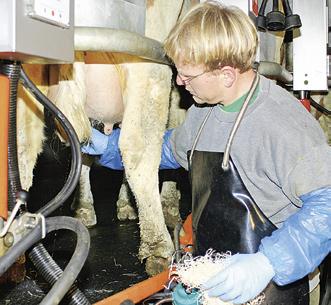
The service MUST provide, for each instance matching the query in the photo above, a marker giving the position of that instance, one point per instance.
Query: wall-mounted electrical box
(37, 31)
(310, 61)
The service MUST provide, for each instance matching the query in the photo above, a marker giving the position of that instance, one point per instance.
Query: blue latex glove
(244, 277)
(97, 144)
(168, 160)
(105, 146)
(304, 240)
(112, 158)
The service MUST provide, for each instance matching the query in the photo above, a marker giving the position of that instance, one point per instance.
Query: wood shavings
(193, 271)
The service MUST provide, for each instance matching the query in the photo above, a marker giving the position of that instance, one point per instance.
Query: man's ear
(229, 75)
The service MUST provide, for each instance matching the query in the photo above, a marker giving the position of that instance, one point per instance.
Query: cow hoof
(171, 219)
(87, 217)
(125, 212)
(155, 265)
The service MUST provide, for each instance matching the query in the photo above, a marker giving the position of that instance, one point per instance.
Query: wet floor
(112, 264)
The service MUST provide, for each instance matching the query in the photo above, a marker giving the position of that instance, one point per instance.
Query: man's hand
(243, 278)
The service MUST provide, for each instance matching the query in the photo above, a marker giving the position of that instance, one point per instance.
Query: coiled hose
(12, 71)
(51, 272)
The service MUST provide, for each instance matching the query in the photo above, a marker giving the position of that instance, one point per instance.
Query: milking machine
(31, 33)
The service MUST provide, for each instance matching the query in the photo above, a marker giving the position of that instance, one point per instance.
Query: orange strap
(4, 121)
(138, 292)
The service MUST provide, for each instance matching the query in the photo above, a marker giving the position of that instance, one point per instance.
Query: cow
(138, 90)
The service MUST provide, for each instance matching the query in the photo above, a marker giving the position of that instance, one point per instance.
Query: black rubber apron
(225, 216)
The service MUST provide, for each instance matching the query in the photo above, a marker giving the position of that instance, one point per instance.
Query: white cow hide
(108, 87)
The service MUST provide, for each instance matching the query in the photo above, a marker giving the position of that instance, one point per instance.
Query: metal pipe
(275, 71)
(111, 40)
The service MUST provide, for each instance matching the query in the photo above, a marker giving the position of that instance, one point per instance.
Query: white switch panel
(52, 11)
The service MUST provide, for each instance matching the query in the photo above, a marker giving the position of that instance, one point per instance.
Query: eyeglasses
(190, 78)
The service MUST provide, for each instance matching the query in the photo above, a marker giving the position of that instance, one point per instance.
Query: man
(258, 161)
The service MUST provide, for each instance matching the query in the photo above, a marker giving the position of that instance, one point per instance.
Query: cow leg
(83, 202)
(125, 210)
(170, 197)
(141, 139)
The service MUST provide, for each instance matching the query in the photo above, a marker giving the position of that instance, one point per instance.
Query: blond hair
(215, 36)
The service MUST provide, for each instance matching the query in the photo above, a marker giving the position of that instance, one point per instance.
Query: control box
(310, 61)
(37, 31)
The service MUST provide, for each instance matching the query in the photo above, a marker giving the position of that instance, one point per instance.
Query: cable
(319, 107)
(287, 8)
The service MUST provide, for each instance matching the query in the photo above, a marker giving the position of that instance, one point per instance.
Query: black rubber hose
(262, 8)
(287, 8)
(12, 71)
(319, 107)
(76, 158)
(77, 261)
(51, 272)
(75, 264)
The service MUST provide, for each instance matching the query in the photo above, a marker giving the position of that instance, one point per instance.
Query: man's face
(204, 85)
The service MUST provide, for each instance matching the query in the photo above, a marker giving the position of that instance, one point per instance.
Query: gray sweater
(279, 149)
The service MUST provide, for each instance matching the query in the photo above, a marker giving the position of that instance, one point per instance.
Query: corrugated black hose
(12, 71)
(51, 272)
(319, 107)
(70, 273)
